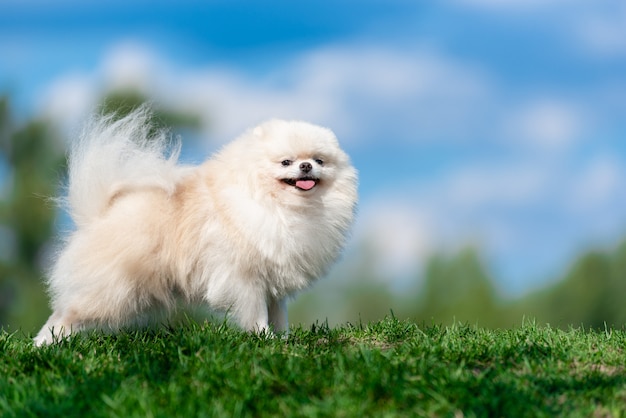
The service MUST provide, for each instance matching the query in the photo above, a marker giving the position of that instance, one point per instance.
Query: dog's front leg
(251, 311)
(277, 312)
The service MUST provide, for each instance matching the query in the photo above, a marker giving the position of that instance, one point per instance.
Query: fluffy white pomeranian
(258, 222)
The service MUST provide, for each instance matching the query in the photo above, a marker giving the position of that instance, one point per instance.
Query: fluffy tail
(113, 155)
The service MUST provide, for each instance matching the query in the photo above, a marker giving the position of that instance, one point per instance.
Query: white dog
(261, 220)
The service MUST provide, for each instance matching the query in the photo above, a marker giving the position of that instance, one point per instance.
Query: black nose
(306, 167)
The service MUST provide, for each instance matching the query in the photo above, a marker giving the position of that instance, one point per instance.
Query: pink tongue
(305, 184)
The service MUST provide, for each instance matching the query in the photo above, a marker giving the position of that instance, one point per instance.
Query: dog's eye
(286, 162)
(320, 162)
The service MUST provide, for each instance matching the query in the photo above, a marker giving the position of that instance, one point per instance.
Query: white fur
(229, 232)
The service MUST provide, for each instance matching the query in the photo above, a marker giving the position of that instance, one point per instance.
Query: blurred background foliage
(451, 287)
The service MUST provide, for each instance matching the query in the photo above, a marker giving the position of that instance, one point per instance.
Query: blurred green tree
(33, 158)
(614, 303)
(590, 294)
(581, 298)
(354, 293)
(458, 288)
(122, 102)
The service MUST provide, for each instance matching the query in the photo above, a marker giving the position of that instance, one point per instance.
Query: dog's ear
(270, 128)
(258, 131)
(264, 130)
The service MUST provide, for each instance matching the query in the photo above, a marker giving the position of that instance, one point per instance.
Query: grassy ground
(388, 368)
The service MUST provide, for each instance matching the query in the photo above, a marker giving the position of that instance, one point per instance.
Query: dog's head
(299, 158)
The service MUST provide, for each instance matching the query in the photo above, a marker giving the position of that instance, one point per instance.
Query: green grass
(388, 368)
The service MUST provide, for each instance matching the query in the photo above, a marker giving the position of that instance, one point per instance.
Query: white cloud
(476, 187)
(131, 64)
(599, 185)
(602, 31)
(400, 235)
(512, 6)
(362, 92)
(546, 124)
(233, 102)
(595, 27)
(69, 100)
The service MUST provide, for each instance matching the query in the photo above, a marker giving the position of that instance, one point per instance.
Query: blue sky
(472, 122)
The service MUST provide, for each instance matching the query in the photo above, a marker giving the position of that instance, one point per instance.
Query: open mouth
(302, 183)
